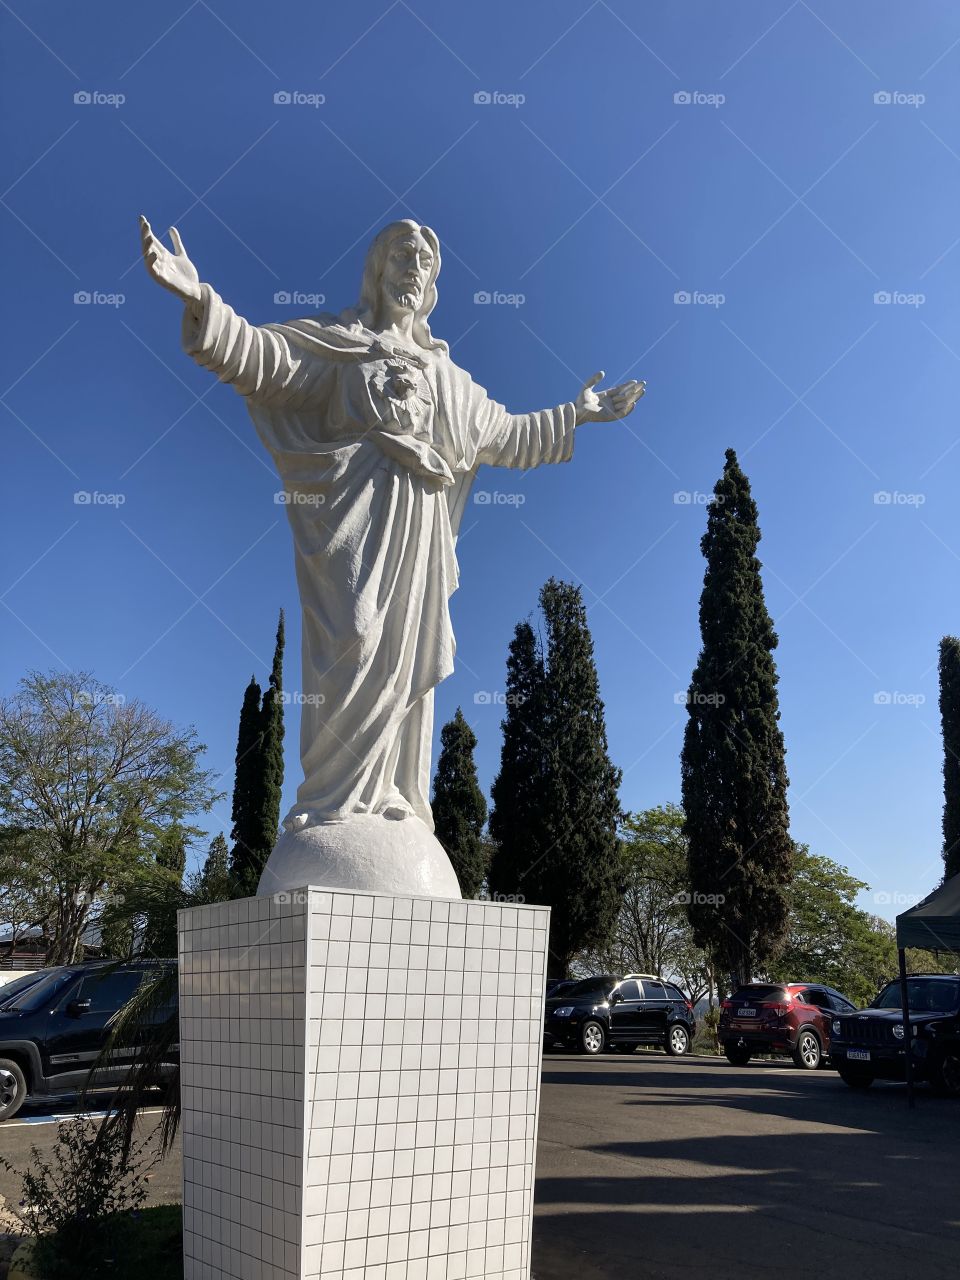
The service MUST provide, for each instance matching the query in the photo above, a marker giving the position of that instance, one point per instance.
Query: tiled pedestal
(360, 1087)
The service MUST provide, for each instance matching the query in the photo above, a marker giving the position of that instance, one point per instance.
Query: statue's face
(406, 271)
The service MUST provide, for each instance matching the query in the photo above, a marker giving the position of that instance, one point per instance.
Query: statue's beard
(407, 297)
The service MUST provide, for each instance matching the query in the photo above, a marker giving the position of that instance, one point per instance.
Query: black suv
(869, 1045)
(54, 1023)
(622, 1013)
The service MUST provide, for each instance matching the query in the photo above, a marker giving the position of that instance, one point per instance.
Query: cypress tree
(259, 777)
(247, 788)
(556, 807)
(272, 748)
(459, 809)
(213, 882)
(950, 721)
(733, 772)
(517, 791)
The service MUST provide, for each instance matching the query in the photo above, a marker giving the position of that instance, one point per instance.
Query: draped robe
(377, 447)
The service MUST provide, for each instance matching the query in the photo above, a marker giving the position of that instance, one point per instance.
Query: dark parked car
(794, 1018)
(869, 1045)
(622, 1013)
(53, 1028)
(556, 985)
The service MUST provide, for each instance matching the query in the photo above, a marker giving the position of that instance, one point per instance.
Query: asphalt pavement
(666, 1168)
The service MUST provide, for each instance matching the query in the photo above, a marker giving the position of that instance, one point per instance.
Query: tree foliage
(950, 721)
(258, 781)
(556, 808)
(733, 773)
(93, 784)
(652, 932)
(459, 808)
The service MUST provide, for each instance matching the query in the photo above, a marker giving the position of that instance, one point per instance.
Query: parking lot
(658, 1167)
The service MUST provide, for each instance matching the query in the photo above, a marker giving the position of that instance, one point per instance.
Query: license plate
(746, 1013)
(858, 1055)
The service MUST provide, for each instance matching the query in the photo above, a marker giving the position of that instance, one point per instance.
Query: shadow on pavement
(678, 1171)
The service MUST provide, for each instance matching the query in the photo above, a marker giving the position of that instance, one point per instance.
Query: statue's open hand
(610, 405)
(174, 270)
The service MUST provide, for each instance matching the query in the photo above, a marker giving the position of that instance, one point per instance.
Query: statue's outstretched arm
(256, 361)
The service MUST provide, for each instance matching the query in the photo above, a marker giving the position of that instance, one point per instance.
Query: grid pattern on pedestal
(242, 974)
(423, 1060)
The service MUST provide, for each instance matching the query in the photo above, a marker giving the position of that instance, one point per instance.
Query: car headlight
(564, 1011)
(835, 1026)
(898, 1031)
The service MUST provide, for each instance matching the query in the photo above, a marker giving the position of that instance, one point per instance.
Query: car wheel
(856, 1078)
(739, 1057)
(807, 1054)
(946, 1075)
(592, 1037)
(678, 1041)
(13, 1088)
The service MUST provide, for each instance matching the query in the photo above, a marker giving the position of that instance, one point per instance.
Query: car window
(40, 993)
(820, 998)
(10, 990)
(653, 990)
(591, 987)
(925, 995)
(108, 992)
(674, 993)
(629, 990)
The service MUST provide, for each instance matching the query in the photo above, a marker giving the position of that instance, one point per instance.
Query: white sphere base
(366, 852)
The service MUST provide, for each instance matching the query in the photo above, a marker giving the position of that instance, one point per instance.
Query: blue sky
(630, 156)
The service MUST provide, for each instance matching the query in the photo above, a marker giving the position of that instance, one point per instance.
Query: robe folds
(377, 447)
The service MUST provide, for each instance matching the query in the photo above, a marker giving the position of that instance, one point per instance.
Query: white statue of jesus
(377, 436)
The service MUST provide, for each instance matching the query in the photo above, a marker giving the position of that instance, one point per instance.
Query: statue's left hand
(610, 405)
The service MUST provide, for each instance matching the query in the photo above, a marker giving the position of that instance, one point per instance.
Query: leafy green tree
(652, 933)
(259, 777)
(950, 721)
(160, 931)
(459, 809)
(734, 780)
(825, 927)
(564, 850)
(94, 782)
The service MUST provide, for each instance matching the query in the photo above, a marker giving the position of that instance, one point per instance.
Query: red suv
(788, 1017)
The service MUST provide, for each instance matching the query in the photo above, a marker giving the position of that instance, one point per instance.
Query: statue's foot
(396, 811)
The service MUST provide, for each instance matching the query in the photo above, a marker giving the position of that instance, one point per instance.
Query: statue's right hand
(174, 270)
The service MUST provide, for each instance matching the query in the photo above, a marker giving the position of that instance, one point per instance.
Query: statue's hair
(366, 307)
